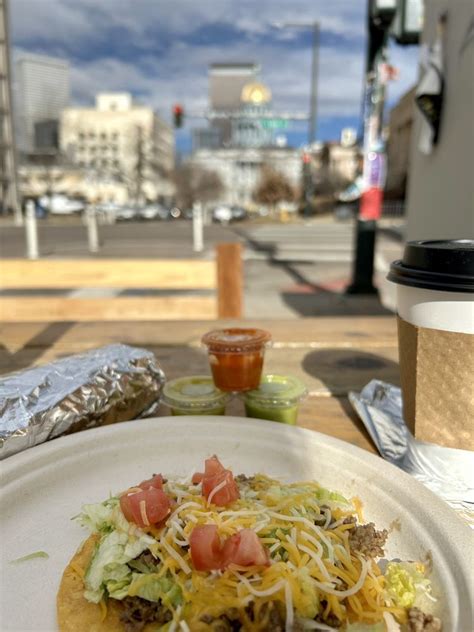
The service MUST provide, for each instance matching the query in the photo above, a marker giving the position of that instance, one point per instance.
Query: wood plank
(327, 372)
(47, 309)
(229, 280)
(107, 273)
(368, 333)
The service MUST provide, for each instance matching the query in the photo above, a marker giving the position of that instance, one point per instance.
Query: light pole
(313, 99)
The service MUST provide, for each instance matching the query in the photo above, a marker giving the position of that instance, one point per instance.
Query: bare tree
(273, 188)
(195, 184)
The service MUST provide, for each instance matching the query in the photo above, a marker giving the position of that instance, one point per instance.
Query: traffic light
(178, 114)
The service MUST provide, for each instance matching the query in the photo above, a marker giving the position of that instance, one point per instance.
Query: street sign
(276, 123)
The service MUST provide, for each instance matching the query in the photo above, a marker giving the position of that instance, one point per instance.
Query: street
(291, 270)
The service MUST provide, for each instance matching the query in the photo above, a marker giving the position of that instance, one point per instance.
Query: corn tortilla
(74, 612)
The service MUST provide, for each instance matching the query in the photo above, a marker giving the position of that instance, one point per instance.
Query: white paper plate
(45, 486)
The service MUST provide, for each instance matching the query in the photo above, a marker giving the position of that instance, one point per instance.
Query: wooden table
(332, 356)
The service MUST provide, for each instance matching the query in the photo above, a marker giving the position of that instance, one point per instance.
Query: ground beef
(137, 612)
(247, 481)
(148, 558)
(331, 619)
(418, 621)
(367, 540)
(230, 621)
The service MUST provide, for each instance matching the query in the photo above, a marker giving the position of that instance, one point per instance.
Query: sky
(160, 51)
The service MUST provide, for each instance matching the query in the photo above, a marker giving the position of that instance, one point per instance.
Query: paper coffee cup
(435, 304)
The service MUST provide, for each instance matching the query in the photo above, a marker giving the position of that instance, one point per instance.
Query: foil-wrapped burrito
(103, 386)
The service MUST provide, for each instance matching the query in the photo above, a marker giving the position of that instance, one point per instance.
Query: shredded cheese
(143, 514)
(216, 489)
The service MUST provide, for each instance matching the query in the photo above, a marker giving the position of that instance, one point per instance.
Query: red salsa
(236, 357)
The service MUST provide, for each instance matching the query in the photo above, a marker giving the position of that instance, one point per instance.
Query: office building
(8, 178)
(226, 82)
(122, 143)
(41, 92)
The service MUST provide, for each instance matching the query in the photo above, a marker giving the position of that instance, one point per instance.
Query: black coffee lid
(446, 265)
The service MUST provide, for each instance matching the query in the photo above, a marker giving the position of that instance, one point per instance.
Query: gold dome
(255, 93)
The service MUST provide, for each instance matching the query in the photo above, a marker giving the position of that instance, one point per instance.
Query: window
(81, 136)
(91, 134)
(114, 136)
(103, 136)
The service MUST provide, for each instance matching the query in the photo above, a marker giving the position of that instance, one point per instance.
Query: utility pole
(380, 16)
(308, 187)
(8, 168)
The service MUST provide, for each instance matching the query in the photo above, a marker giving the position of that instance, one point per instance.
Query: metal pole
(198, 237)
(313, 105)
(92, 231)
(31, 231)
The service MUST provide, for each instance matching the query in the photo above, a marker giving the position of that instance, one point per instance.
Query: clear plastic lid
(194, 392)
(236, 340)
(277, 390)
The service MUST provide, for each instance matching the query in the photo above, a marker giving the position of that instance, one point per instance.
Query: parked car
(154, 211)
(125, 213)
(60, 204)
(222, 214)
(238, 213)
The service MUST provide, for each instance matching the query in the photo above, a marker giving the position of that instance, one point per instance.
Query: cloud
(160, 49)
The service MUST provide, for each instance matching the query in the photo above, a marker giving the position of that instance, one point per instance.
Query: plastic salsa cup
(277, 398)
(195, 395)
(236, 357)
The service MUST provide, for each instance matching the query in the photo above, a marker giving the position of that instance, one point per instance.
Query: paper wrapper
(104, 386)
(446, 471)
(437, 378)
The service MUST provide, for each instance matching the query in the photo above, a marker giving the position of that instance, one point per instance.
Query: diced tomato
(208, 553)
(206, 548)
(156, 481)
(155, 508)
(213, 466)
(197, 478)
(215, 475)
(226, 494)
(245, 549)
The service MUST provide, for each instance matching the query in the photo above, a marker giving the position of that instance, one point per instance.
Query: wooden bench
(222, 275)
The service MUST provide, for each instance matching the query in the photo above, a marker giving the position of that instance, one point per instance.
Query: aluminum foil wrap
(446, 471)
(103, 386)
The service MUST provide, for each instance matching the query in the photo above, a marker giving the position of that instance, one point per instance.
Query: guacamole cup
(195, 395)
(277, 399)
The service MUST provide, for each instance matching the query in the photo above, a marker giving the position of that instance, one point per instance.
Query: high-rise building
(123, 143)
(41, 90)
(8, 181)
(226, 82)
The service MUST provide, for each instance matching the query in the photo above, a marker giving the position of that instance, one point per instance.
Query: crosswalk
(315, 242)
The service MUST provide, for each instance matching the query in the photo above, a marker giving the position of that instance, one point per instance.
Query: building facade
(9, 200)
(125, 145)
(240, 169)
(226, 82)
(41, 92)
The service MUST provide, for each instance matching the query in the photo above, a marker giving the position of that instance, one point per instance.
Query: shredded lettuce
(309, 604)
(30, 556)
(156, 588)
(326, 496)
(97, 517)
(366, 627)
(114, 550)
(406, 582)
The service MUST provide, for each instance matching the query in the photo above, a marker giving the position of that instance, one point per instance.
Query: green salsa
(277, 399)
(195, 395)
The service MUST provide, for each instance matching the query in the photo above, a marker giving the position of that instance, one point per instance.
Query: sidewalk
(291, 270)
